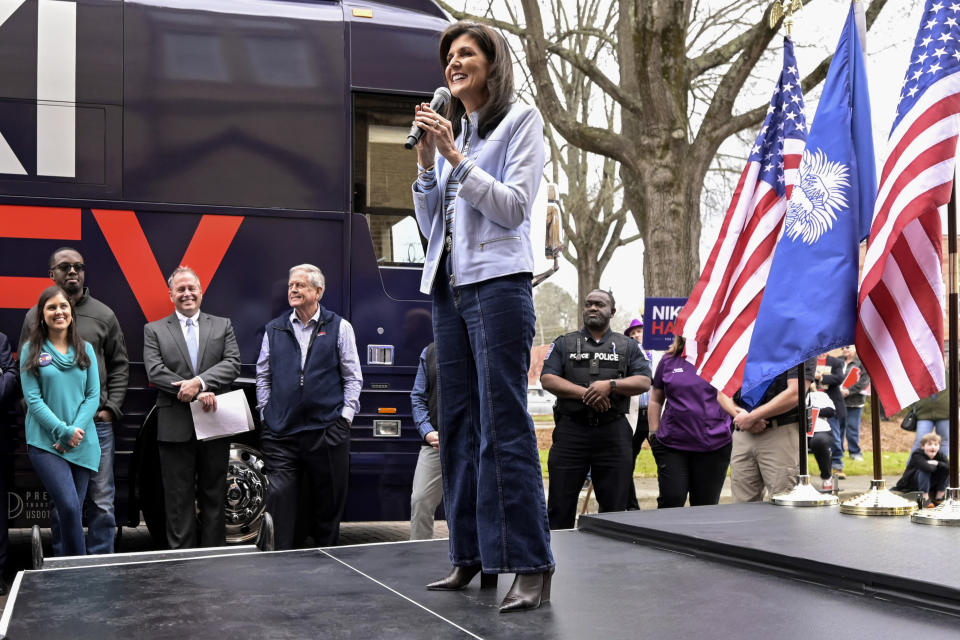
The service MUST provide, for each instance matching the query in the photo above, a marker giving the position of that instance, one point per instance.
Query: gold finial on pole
(784, 10)
(776, 13)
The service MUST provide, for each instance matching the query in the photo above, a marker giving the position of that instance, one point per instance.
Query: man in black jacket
(9, 386)
(831, 377)
(854, 398)
(97, 325)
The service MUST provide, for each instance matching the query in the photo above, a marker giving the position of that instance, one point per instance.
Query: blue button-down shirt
(419, 398)
(350, 372)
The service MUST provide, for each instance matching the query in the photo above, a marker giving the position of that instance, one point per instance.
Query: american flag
(900, 307)
(719, 316)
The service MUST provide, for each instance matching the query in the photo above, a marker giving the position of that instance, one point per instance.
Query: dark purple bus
(240, 137)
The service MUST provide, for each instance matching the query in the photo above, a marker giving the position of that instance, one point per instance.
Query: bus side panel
(60, 114)
(239, 104)
(381, 471)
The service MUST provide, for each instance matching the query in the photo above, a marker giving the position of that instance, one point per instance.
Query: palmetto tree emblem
(821, 192)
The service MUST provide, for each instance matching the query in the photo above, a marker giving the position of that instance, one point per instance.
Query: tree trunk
(662, 187)
(588, 279)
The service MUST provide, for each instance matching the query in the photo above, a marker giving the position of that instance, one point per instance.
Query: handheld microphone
(440, 99)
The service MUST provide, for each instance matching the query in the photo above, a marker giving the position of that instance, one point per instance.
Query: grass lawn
(893, 464)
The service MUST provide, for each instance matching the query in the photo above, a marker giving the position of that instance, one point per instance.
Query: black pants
(639, 437)
(604, 451)
(5, 471)
(821, 446)
(195, 487)
(308, 474)
(697, 473)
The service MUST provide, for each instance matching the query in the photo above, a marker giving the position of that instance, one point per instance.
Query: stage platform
(712, 572)
(890, 558)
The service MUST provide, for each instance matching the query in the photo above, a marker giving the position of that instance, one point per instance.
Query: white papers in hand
(232, 416)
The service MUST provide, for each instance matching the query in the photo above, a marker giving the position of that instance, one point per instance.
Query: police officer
(593, 372)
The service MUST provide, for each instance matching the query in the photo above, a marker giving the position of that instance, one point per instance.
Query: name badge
(44, 359)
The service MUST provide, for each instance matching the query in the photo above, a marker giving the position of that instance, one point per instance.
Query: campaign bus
(239, 138)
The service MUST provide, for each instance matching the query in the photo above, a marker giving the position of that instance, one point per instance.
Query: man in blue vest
(308, 391)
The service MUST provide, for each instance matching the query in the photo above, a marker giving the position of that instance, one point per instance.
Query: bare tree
(679, 69)
(593, 214)
(556, 312)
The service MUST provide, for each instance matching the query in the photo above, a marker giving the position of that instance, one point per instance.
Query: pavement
(136, 539)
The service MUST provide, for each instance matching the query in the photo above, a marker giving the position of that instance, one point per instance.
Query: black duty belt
(592, 419)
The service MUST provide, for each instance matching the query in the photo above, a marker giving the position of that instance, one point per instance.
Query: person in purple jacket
(691, 436)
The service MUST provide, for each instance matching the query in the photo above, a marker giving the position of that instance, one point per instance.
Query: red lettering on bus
(129, 245)
(39, 223)
(34, 223)
(21, 293)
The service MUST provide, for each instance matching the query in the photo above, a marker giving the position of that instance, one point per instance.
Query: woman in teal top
(61, 386)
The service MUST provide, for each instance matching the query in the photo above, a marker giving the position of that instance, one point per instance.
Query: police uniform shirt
(637, 364)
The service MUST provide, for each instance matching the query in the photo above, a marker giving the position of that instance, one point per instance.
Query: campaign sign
(659, 315)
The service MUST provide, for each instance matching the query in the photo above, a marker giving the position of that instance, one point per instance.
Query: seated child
(927, 471)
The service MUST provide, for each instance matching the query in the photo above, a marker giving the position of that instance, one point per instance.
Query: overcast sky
(815, 33)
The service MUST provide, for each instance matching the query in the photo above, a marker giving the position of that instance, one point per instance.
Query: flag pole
(878, 500)
(804, 494)
(948, 511)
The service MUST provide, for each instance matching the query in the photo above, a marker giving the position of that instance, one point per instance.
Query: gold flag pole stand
(948, 512)
(804, 494)
(878, 500)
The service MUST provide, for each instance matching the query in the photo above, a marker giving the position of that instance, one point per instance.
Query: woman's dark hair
(499, 76)
(39, 333)
(676, 349)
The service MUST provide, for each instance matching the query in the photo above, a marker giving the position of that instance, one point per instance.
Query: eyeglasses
(65, 267)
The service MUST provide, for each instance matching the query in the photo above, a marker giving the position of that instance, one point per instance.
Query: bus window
(382, 174)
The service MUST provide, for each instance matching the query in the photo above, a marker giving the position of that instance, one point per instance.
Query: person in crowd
(820, 443)
(593, 372)
(427, 478)
(190, 356)
(637, 416)
(933, 416)
(830, 377)
(98, 327)
(61, 387)
(928, 471)
(308, 391)
(480, 164)
(691, 439)
(765, 453)
(854, 397)
(9, 391)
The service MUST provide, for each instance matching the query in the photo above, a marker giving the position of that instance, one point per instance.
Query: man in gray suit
(190, 356)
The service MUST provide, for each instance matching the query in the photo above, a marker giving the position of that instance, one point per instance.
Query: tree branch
(755, 116)
(594, 139)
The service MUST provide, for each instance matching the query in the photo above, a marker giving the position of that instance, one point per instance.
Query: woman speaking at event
(61, 386)
(480, 164)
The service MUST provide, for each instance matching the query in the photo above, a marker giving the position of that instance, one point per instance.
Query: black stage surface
(888, 557)
(711, 572)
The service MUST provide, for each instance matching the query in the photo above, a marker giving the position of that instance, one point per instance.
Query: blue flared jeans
(492, 484)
